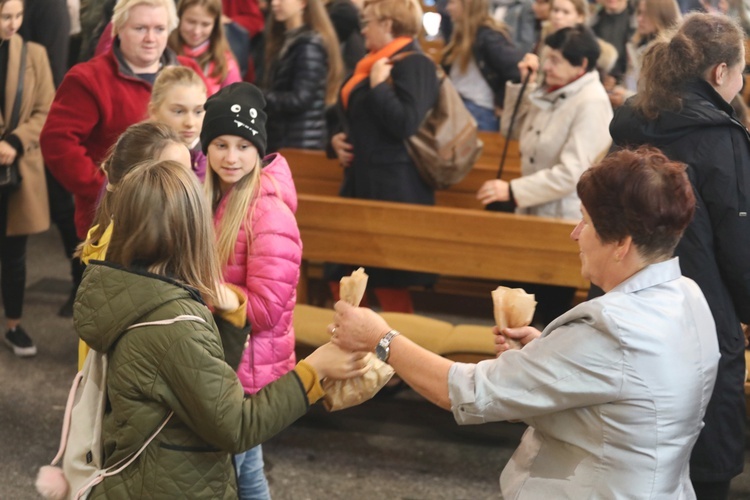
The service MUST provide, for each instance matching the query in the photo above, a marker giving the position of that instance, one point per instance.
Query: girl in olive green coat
(160, 262)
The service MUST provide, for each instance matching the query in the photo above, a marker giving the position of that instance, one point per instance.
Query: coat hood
(110, 299)
(276, 180)
(702, 108)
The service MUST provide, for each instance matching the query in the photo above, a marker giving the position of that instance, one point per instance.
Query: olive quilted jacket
(178, 367)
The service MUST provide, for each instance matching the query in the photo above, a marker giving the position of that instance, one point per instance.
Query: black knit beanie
(236, 110)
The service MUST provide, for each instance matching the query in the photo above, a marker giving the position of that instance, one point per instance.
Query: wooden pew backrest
(314, 173)
(444, 240)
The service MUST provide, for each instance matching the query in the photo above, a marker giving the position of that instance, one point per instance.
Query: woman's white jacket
(561, 134)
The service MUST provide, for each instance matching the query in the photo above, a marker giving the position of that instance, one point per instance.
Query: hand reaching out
(357, 328)
(330, 361)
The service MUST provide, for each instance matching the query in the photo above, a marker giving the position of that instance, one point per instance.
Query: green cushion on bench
(427, 332)
(469, 339)
(310, 324)
(465, 343)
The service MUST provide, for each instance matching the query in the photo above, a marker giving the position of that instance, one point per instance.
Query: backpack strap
(66, 418)
(122, 464)
(19, 92)
(181, 317)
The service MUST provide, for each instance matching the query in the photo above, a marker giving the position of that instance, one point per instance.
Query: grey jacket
(614, 393)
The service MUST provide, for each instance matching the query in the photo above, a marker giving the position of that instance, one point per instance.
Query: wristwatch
(383, 350)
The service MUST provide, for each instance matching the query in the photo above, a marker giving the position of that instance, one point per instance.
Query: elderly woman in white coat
(615, 390)
(562, 126)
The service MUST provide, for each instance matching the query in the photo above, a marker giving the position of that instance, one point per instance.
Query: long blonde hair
(162, 222)
(140, 142)
(475, 15)
(218, 46)
(238, 212)
(316, 18)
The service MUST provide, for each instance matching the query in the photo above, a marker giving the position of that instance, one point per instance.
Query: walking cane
(508, 206)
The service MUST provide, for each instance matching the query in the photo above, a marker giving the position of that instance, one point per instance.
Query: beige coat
(561, 134)
(28, 207)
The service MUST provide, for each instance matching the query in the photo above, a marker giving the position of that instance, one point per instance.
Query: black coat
(296, 92)
(345, 19)
(47, 22)
(714, 251)
(497, 59)
(377, 121)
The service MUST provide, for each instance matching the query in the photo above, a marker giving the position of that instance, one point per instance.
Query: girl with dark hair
(683, 108)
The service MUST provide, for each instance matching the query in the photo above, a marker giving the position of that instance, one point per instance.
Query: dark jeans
(485, 117)
(12, 266)
(62, 211)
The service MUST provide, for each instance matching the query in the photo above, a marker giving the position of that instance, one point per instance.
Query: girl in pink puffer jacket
(258, 242)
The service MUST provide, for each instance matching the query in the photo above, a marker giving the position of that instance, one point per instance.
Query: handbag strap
(19, 91)
(511, 124)
(400, 56)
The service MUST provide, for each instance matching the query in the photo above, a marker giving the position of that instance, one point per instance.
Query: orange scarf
(362, 70)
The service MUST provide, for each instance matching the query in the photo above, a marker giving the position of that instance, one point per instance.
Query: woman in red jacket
(100, 98)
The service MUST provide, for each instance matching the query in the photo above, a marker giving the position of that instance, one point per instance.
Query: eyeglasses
(364, 22)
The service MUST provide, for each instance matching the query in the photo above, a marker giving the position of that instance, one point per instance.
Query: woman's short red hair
(639, 193)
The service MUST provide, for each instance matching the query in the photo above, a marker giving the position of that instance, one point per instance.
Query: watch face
(381, 352)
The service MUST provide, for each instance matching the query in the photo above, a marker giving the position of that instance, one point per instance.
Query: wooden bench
(314, 173)
(493, 150)
(444, 240)
(449, 241)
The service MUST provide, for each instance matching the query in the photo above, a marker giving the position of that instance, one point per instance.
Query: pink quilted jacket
(267, 270)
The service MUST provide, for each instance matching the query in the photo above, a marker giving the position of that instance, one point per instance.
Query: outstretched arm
(360, 329)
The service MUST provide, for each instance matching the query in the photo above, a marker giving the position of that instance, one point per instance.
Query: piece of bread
(513, 308)
(340, 394)
(353, 287)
